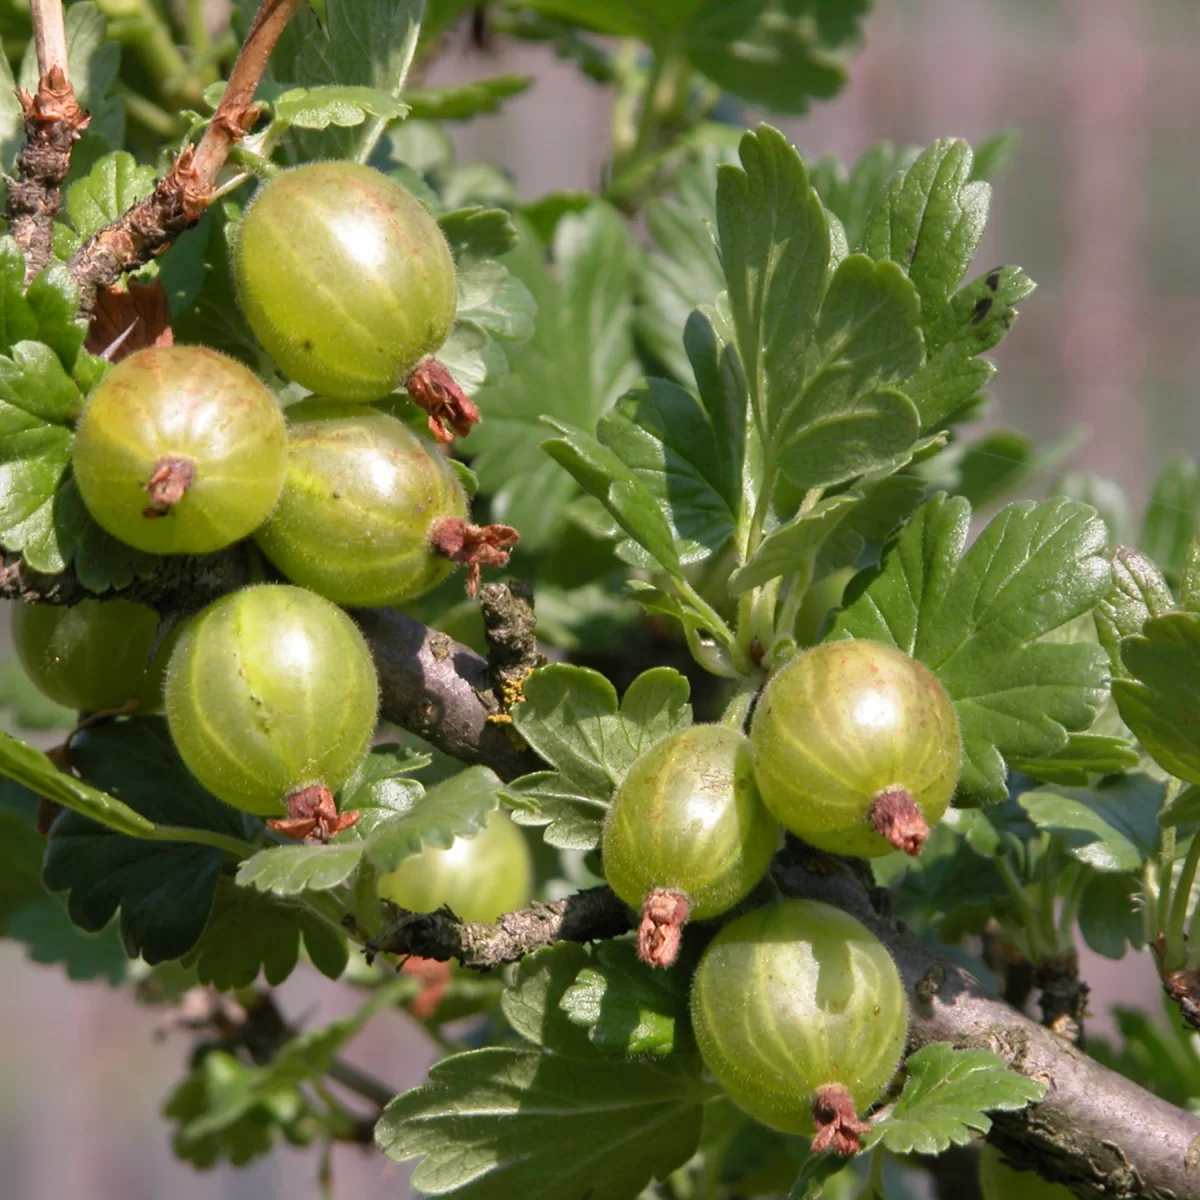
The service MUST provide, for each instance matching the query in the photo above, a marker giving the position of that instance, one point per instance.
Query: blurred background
(1098, 204)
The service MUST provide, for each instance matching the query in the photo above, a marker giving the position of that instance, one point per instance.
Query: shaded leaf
(115, 183)
(464, 101)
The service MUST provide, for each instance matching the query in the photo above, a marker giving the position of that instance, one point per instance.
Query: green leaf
(289, 870)
(115, 183)
(1161, 700)
(571, 719)
(683, 270)
(248, 933)
(946, 1096)
(572, 819)
(578, 361)
(359, 44)
(533, 1002)
(930, 221)
(1138, 593)
(516, 1122)
(1183, 810)
(978, 618)
(464, 101)
(821, 364)
(626, 1006)
(478, 232)
(1110, 917)
(1173, 515)
(852, 195)
(1112, 827)
(163, 889)
(1084, 754)
(793, 543)
(343, 106)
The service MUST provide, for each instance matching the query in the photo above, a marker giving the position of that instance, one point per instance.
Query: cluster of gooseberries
(270, 693)
(855, 748)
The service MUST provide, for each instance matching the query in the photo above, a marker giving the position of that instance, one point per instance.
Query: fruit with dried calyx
(478, 878)
(349, 284)
(800, 1013)
(361, 499)
(856, 748)
(687, 835)
(94, 656)
(180, 450)
(271, 697)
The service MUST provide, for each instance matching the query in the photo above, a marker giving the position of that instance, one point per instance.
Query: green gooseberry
(271, 692)
(360, 497)
(345, 278)
(801, 1015)
(93, 656)
(856, 748)
(180, 450)
(478, 878)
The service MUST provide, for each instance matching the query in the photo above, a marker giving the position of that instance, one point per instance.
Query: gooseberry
(180, 450)
(93, 656)
(856, 748)
(360, 499)
(687, 834)
(345, 278)
(999, 1181)
(800, 1014)
(271, 698)
(478, 878)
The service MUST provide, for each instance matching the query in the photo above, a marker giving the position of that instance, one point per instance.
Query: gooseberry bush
(760, 863)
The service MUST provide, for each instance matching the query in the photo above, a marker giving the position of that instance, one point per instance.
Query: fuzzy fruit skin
(345, 278)
(93, 656)
(191, 403)
(360, 496)
(269, 690)
(478, 878)
(999, 1181)
(688, 818)
(792, 997)
(842, 722)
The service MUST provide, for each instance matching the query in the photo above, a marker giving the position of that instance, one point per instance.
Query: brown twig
(183, 194)
(53, 124)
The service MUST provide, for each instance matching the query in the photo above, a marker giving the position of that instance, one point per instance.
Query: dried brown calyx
(168, 484)
(838, 1126)
(895, 816)
(664, 914)
(432, 388)
(475, 545)
(312, 816)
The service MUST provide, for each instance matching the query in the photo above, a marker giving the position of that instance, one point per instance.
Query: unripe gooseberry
(180, 450)
(801, 1015)
(478, 878)
(856, 748)
(271, 698)
(687, 835)
(360, 498)
(93, 656)
(999, 1181)
(345, 278)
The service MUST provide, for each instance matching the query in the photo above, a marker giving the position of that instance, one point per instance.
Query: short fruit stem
(168, 484)
(894, 815)
(664, 914)
(838, 1126)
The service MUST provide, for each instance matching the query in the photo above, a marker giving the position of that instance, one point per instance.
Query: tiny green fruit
(360, 498)
(801, 1015)
(271, 697)
(180, 450)
(93, 656)
(856, 748)
(345, 278)
(999, 1181)
(687, 835)
(478, 878)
